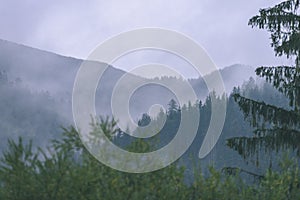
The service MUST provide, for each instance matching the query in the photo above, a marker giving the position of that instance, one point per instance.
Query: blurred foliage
(67, 171)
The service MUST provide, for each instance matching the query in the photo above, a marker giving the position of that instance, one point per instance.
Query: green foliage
(276, 128)
(285, 79)
(67, 171)
(283, 184)
(283, 22)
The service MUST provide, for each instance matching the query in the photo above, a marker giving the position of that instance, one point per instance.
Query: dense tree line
(26, 113)
(67, 171)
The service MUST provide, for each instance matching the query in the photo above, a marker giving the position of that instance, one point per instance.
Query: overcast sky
(75, 28)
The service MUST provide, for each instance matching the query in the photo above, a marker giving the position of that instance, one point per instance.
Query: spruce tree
(276, 128)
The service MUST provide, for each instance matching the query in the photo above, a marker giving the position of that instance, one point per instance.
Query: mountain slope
(38, 72)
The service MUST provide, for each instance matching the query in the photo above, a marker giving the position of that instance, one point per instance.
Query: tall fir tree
(276, 128)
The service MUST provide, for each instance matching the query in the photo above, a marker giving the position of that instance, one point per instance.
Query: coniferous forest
(256, 157)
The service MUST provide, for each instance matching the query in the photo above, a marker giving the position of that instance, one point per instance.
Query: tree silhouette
(276, 128)
(172, 108)
(146, 119)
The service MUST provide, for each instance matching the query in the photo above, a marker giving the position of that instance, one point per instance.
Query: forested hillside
(44, 156)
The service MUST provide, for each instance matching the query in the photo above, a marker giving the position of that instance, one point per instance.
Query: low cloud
(74, 28)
